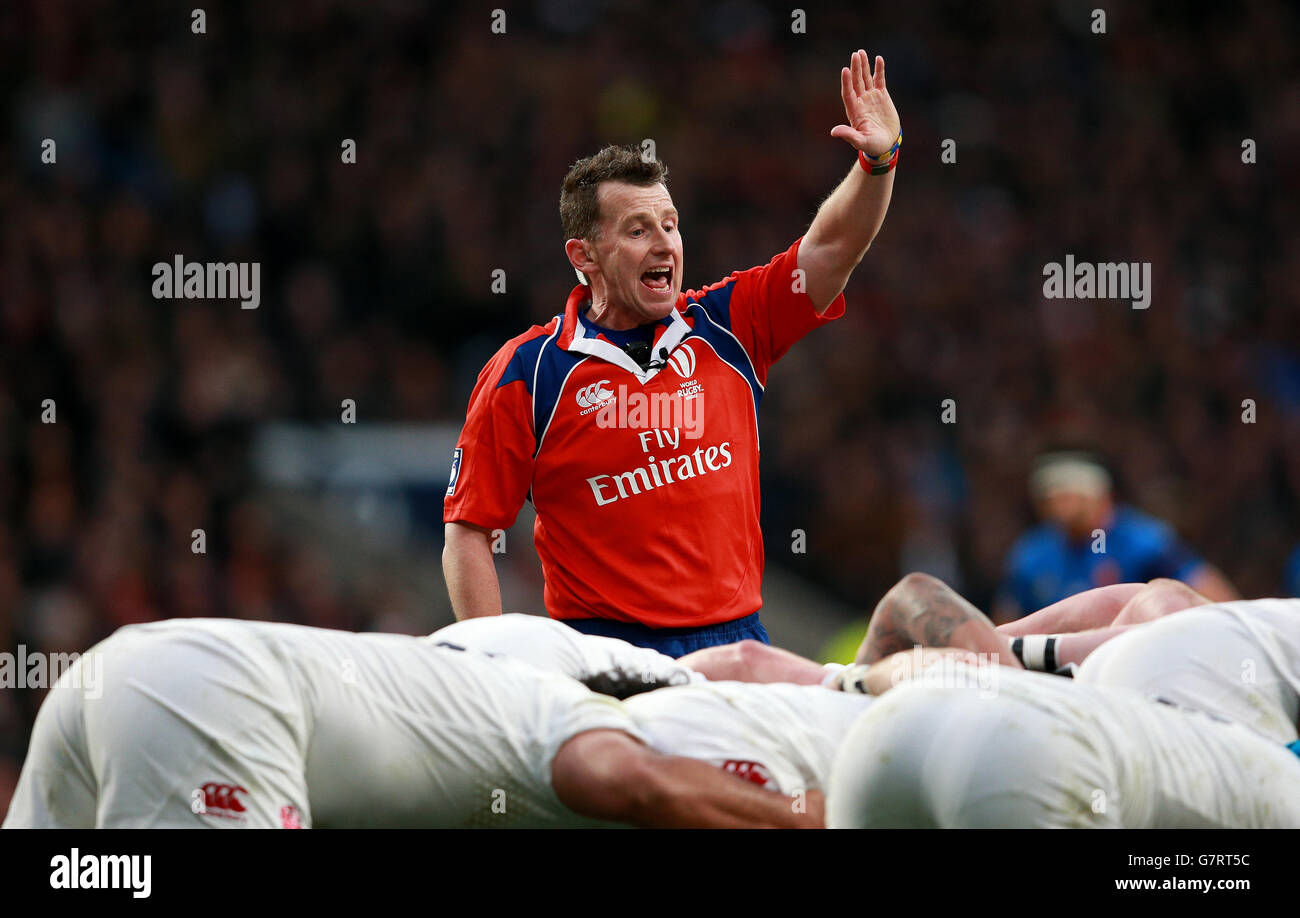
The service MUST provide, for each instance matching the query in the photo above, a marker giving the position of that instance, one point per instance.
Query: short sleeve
(767, 308)
(492, 467)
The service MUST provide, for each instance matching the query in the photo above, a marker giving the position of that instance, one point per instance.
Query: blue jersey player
(1086, 540)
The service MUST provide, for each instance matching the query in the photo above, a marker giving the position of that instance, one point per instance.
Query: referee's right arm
(491, 473)
(470, 572)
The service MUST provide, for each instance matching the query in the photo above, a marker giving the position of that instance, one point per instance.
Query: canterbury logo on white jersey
(683, 361)
(593, 395)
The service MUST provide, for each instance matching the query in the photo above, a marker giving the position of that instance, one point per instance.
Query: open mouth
(658, 279)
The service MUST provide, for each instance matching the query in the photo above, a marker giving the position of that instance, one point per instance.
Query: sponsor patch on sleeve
(455, 472)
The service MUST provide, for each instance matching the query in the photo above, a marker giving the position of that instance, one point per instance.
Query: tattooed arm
(923, 610)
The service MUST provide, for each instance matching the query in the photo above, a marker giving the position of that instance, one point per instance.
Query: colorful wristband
(879, 165)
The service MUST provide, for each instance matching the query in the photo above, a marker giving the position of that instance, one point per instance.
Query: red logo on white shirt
(750, 771)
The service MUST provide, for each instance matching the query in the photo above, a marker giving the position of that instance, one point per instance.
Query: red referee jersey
(645, 482)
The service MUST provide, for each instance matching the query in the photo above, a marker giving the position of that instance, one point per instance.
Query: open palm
(873, 121)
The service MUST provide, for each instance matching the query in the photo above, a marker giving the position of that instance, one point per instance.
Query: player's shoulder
(516, 360)
(1035, 545)
(506, 625)
(1141, 527)
(728, 284)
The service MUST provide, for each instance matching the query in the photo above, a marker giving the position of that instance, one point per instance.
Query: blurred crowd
(225, 146)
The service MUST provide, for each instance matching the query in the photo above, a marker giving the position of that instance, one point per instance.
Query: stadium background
(177, 415)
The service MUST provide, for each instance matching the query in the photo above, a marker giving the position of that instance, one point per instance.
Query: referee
(631, 419)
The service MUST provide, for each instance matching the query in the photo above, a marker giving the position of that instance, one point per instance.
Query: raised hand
(873, 121)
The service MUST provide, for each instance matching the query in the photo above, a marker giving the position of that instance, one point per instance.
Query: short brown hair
(579, 201)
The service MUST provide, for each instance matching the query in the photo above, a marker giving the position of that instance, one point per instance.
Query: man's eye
(636, 232)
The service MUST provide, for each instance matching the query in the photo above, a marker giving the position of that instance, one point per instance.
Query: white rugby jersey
(1038, 751)
(778, 735)
(1167, 765)
(553, 645)
(1275, 623)
(391, 730)
(1239, 660)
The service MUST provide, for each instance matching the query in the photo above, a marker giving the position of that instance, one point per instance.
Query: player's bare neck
(609, 316)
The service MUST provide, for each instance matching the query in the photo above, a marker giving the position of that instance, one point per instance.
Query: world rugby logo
(683, 361)
(591, 396)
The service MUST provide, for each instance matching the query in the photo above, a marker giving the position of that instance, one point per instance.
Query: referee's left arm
(849, 219)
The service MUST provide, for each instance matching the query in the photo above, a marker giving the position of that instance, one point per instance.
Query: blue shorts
(675, 642)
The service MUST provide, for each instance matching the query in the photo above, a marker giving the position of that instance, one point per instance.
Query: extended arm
(848, 220)
(883, 675)
(754, 661)
(1118, 604)
(470, 572)
(904, 665)
(1095, 608)
(605, 774)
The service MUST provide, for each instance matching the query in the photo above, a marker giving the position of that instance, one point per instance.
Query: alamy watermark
(38, 670)
(1085, 280)
(977, 671)
(211, 280)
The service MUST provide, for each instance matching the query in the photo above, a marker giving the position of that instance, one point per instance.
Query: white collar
(585, 342)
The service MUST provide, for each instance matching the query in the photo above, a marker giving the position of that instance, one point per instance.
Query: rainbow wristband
(879, 165)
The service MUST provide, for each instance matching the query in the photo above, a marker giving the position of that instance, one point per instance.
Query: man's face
(1074, 512)
(638, 234)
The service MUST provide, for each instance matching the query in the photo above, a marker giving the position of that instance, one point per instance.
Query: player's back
(1173, 766)
(406, 732)
(555, 646)
(347, 729)
(1239, 660)
(780, 735)
(1276, 625)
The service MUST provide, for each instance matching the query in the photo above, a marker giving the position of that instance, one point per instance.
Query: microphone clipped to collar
(640, 352)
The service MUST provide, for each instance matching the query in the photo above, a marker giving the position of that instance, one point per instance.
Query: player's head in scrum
(623, 238)
(623, 683)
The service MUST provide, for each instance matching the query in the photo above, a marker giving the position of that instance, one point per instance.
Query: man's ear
(580, 252)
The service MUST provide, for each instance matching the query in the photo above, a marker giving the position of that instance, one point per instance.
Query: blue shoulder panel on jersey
(717, 303)
(1295, 747)
(706, 326)
(553, 365)
(523, 363)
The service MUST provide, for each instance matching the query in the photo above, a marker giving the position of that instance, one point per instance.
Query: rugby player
(227, 723)
(785, 737)
(1187, 720)
(1044, 752)
(555, 646)
(762, 714)
(1237, 660)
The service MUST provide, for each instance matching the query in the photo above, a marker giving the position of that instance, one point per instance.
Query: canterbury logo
(221, 799)
(683, 361)
(750, 771)
(593, 395)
